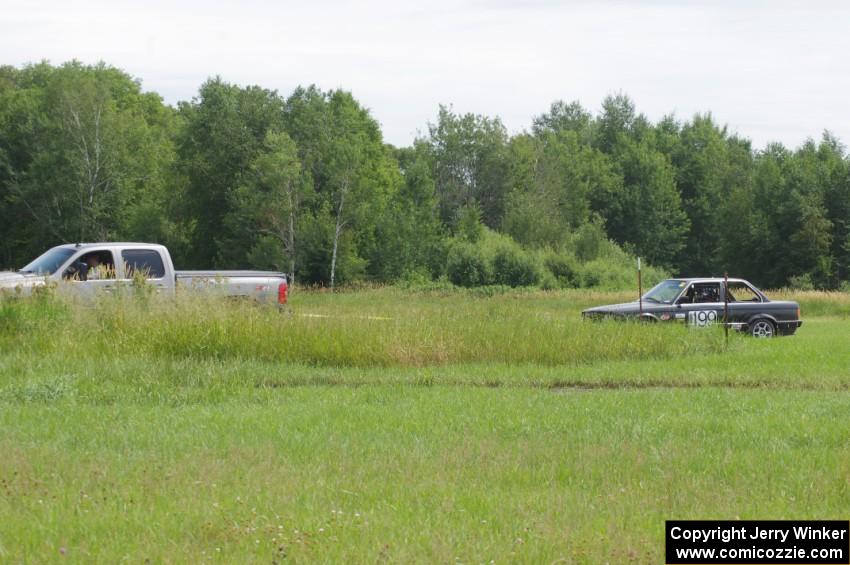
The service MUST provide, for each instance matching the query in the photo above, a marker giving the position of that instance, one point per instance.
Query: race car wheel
(762, 328)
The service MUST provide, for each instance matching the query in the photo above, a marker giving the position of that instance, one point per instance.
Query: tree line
(304, 183)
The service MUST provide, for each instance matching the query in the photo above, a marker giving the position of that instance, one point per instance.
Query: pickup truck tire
(762, 327)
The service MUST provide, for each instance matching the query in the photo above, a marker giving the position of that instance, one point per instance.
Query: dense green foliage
(247, 177)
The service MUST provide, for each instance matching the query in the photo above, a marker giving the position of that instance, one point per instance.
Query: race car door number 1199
(702, 318)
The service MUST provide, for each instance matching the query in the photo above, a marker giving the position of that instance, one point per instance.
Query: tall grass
(380, 328)
(817, 302)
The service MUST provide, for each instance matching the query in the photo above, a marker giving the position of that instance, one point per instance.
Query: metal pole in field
(640, 291)
(726, 306)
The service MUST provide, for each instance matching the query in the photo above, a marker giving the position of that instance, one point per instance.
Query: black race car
(700, 302)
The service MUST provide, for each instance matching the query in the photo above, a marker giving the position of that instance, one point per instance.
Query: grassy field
(398, 426)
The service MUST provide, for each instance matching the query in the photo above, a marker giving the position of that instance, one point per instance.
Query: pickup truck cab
(88, 268)
(703, 302)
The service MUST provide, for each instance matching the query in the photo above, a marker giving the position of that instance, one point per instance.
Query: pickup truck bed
(215, 274)
(263, 286)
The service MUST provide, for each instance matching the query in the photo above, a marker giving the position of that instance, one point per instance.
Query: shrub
(590, 240)
(467, 266)
(801, 282)
(422, 282)
(414, 278)
(563, 268)
(590, 276)
(469, 224)
(514, 266)
(549, 282)
(498, 259)
(617, 273)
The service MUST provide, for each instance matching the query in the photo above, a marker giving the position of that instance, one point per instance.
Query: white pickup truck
(88, 268)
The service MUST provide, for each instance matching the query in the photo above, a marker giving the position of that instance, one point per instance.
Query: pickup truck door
(701, 304)
(88, 280)
(146, 263)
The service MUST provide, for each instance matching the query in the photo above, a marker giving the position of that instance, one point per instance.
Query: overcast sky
(772, 71)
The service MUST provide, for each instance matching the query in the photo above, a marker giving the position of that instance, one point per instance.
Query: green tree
(563, 117)
(792, 234)
(224, 130)
(701, 162)
(619, 120)
(468, 156)
(85, 153)
(353, 159)
(273, 199)
(409, 235)
(834, 178)
(341, 148)
(737, 222)
(558, 180)
(647, 215)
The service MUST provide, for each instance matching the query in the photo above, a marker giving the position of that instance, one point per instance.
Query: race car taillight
(281, 293)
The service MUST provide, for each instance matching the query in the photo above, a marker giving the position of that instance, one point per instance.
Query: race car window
(665, 291)
(701, 293)
(742, 292)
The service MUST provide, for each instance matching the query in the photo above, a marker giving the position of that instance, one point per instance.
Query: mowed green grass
(204, 431)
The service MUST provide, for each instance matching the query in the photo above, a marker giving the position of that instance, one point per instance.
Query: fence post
(726, 306)
(640, 292)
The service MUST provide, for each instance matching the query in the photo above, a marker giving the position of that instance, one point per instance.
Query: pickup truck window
(48, 262)
(145, 261)
(97, 265)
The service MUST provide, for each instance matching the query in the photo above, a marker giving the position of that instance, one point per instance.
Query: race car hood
(623, 308)
(626, 308)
